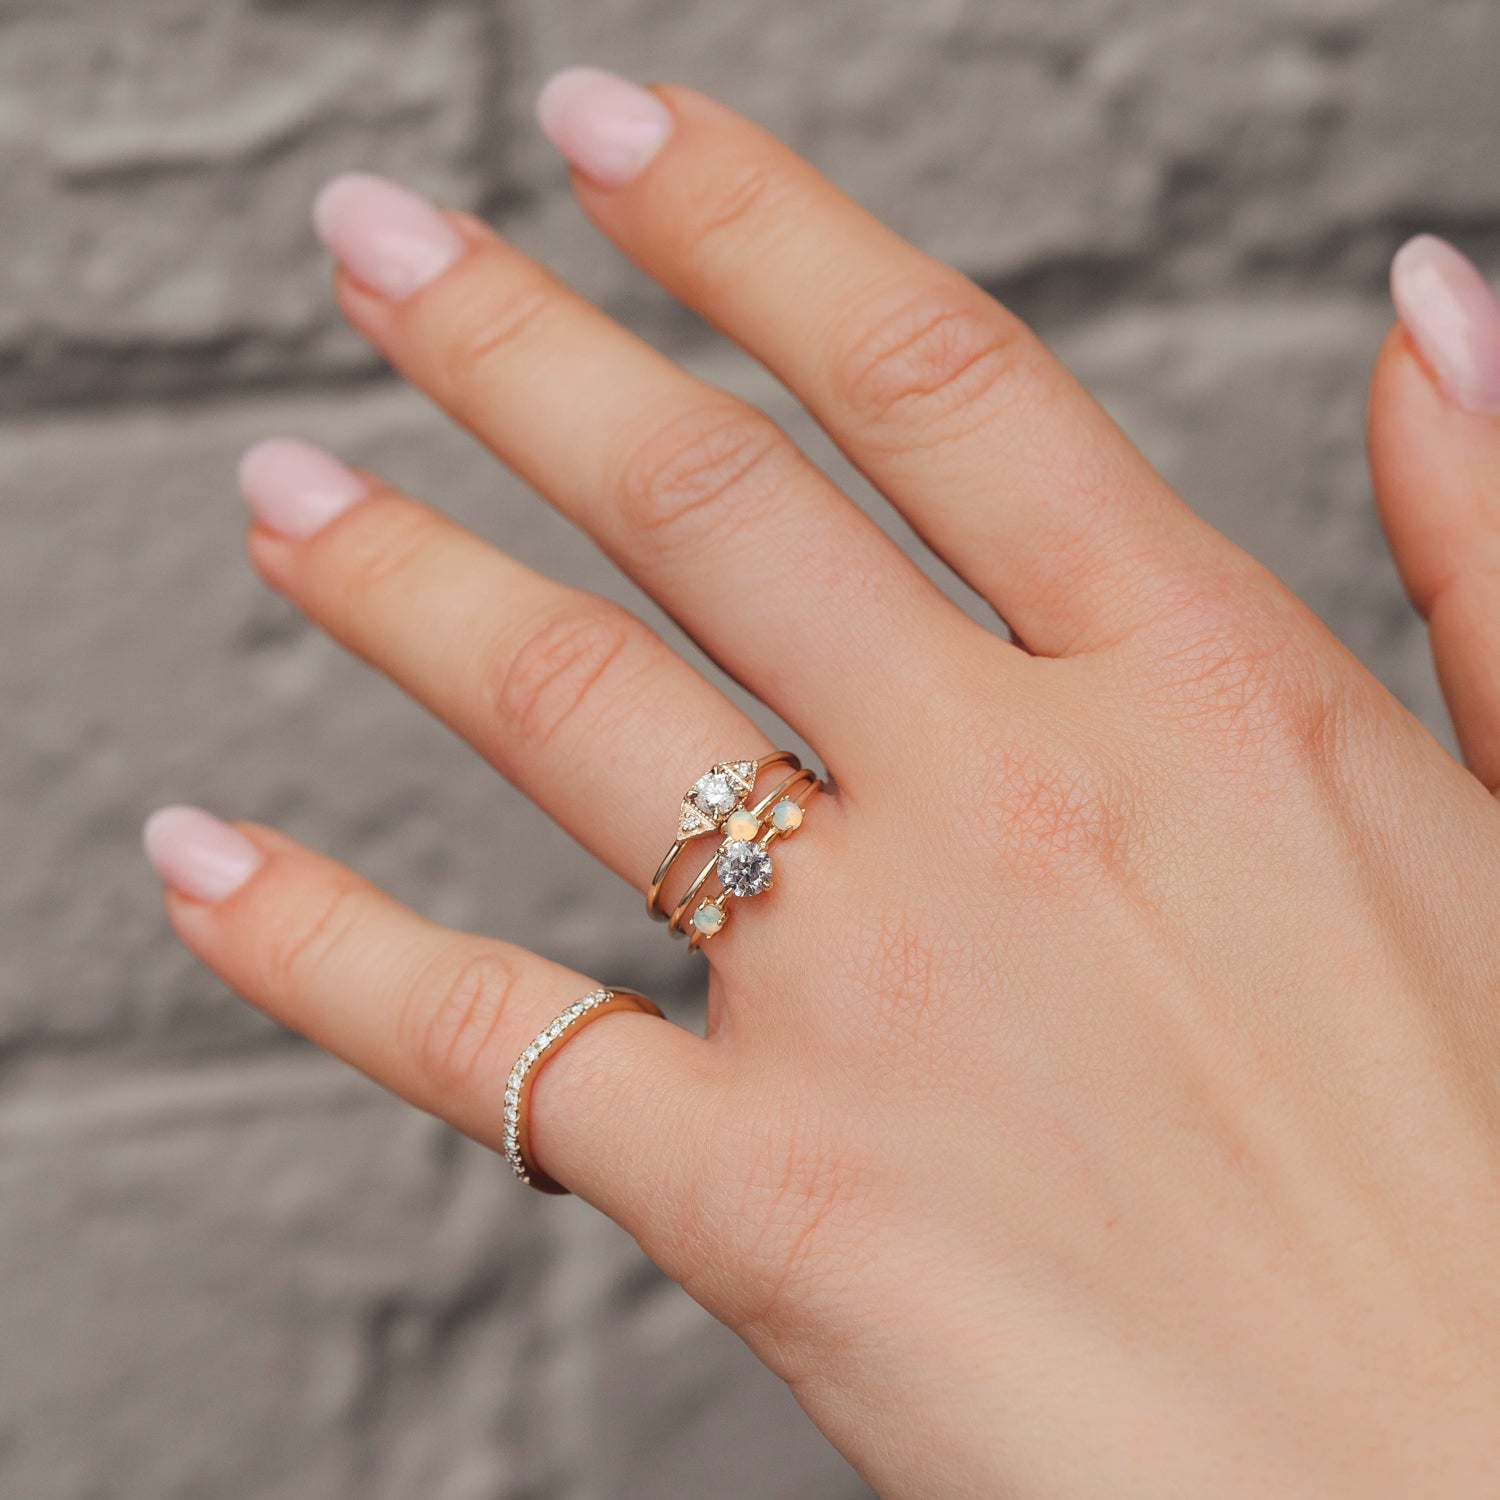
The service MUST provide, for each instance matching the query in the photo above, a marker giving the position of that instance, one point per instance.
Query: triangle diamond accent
(741, 772)
(694, 820)
(739, 775)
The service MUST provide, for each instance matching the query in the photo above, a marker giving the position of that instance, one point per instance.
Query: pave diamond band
(546, 1044)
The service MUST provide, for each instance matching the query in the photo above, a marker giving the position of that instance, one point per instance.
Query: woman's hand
(1107, 1098)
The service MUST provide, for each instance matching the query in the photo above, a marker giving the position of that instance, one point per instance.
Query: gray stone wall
(228, 1268)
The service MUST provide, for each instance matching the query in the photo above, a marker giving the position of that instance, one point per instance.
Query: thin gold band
(544, 1046)
(653, 891)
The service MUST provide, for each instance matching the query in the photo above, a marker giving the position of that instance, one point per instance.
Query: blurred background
(228, 1267)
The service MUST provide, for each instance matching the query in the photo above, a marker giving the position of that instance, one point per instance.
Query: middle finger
(698, 495)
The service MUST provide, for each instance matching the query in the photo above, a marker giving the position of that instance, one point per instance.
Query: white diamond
(716, 795)
(744, 869)
(694, 822)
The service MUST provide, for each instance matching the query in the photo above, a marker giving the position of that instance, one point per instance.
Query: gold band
(545, 1045)
(695, 821)
(795, 791)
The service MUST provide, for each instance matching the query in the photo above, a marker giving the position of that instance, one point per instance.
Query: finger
(570, 697)
(439, 1017)
(1006, 466)
(699, 496)
(1435, 454)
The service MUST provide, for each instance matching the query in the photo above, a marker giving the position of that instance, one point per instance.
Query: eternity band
(545, 1045)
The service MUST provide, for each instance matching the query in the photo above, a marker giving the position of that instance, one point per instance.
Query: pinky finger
(1435, 453)
(440, 1017)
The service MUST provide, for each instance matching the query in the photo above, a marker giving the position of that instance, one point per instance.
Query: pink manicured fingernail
(1449, 309)
(296, 489)
(197, 854)
(606, 126)
(383, 235)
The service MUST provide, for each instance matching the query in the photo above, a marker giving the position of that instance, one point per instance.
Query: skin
(1138, 1136)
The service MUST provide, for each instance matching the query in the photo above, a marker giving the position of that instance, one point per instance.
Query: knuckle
(559, 666)
(297, 955)
(486, 329)
(388, 546)
(1049, 816)
(721, 458)
(1258, 691)
(452, 1023)
(739, 204)
(941, 359)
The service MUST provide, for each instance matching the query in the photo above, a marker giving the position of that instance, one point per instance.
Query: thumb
(1435, 455)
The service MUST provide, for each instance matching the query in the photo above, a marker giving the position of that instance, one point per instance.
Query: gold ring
(715, 797)
(798, 779)
(743, 861)
(546, 1044)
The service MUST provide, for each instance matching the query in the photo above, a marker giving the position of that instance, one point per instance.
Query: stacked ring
(546, 1044)
(742, 862)
(715, 797)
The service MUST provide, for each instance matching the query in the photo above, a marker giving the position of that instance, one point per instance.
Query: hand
(1105, 1100)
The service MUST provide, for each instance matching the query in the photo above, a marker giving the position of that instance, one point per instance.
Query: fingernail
(296, 489)
(1449, 310)
(383, 235)
(606, 126)
(197, 854)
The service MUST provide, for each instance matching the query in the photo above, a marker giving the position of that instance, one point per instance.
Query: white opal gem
(742, 825)
(786, 816)
(708, 919)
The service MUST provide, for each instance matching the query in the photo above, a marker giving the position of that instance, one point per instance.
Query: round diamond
(744, 868)
(716, 795)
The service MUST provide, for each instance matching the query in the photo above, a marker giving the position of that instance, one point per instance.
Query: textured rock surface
(228, 1268)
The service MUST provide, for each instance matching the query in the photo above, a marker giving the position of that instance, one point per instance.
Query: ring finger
(570, 697)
